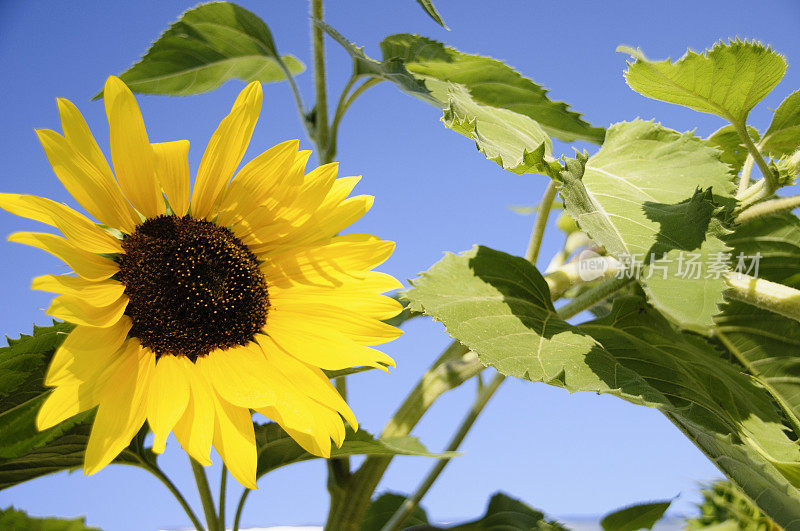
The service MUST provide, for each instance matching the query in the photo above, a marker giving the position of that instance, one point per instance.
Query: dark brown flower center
(193, 287)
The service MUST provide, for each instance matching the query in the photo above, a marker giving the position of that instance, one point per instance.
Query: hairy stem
(321, 106)
(586, 300)
(769, 177)
(298, 100)
(205, 494)
(747, 169)
(537, 234)
(239, 509)
(765, 208)
(764, 294)
(412, 502)
(345, 100)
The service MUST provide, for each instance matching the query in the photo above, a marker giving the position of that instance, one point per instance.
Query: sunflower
(194, 308)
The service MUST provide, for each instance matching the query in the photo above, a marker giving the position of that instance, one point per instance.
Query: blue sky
(565, 454)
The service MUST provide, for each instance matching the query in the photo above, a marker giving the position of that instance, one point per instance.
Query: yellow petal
(89, 266)
(97, 192)
(195, 429)
(304, 428)
(87, 352)
(93, 292)
(225, 150)
(324, 348)
(362, 329)
(235, 441)
(76, 227)
(78, 134)
(131, 153)
(122, 409)
(364, 302)
(64, 402)
(75, 310)
(240, 375)
(309, 380)
(256, 181)
(168, 398)
(172, 169)
(327, 264)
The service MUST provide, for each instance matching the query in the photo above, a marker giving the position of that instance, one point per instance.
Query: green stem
(239, 509)
(205, 494)
(747, 169)
(344, 104)
(223, 485)
(321, 106)
(412, 502)
(769, 177)
(298, 100)
(586, 300)
(157, 472)
(765, 208)
(537, 234)
(764, 294)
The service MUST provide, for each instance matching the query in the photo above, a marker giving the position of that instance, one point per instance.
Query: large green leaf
(208, 45)
(728, 80)
(727, 414)
(499, 306)
(277, 449)
(489, 82)
(767, 343)
(635, 517)
(638, 197)
(22, 366)
(430, 9)
(13, 519)
(783, 135)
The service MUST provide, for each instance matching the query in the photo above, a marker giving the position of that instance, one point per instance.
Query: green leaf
(727, 414)
(767, 343)
(381, 510)
(391, 70)
(728, 80)
(276, 448)
(22, 367)
(14, 519)
(514, 141)
(635, 517)
(505, 512)
(638, 197)
(208, 45)
(499, 306)
(783, 135)
(429, 8)
(489, 82)
(728, 141)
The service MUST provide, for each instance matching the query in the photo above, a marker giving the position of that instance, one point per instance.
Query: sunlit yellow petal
(195, 429)
(308, 379)
(131, 153)
(172, 170)
(362, 329)
(76, 227)
(225, 150)
(122, 408)
(87, 352)
(235, 441)
(240, 375)
(256, 181)
(65, 402)
(326, 348)
(168, 398)
(93, 292)
(75, 310)
(89, 266)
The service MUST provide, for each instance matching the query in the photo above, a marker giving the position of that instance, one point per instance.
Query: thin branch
(770, 178)
(765, 208)
(239, 509)
(535, 244)
(223, 485)
(157, 472)
(321, 106)
(205, 494)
